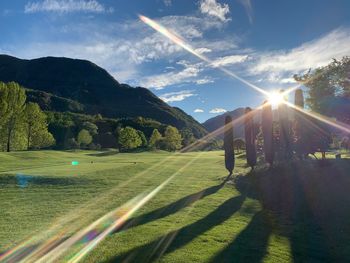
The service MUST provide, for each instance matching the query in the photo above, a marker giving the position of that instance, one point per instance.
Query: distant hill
(218, 121)
(238, 128)
(80, 86)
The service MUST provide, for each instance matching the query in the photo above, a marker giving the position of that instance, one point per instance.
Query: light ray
(110, 222)
(69, 223)
(339, 125)
(180, 42)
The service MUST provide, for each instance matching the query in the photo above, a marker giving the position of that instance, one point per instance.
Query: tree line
(296, 134)
(22, 125)
(293, 135)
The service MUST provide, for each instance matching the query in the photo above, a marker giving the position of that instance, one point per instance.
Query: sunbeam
(108, 223)
(335, 124)
(179, 41)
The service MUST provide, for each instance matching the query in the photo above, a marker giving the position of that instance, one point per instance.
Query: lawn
(295, 212)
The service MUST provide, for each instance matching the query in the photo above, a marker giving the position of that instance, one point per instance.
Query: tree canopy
(155, 139)
(329, 89)
(129, 138)
(172, 139)
(84, 137)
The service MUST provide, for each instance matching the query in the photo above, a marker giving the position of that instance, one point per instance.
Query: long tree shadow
(179, 238)
(308, 204)
(171, 208)
(250, 245)
(25, 180)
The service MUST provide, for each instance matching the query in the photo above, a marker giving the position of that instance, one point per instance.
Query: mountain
(218, 121)
(64, 84)
(238, 127)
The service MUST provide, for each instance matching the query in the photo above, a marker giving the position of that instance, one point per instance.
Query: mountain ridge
(91, 88)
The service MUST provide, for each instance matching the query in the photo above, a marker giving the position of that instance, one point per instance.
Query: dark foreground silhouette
(302, 201)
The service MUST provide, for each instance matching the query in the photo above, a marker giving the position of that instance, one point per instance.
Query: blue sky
(265, 42)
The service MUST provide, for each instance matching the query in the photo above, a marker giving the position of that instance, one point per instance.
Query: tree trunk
(9, 140)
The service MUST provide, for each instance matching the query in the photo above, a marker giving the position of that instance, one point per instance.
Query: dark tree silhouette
(267, 130)
(299, 125)
(228, 145)
(250, 138)
(284, 131)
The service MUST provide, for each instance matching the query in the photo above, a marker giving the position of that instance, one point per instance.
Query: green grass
(295, 212)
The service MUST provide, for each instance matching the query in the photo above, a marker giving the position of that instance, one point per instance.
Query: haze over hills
(238, 128)
(218, 121)
(80, 86)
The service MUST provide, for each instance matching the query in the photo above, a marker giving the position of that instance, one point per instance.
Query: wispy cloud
(227, 60)
(217, 110)
(204, 80)
(66, 6)
(281, 65)
(248, 8)
(198, 111)
(177, 96)
(215, 9)
(188, 74)
(167, 2)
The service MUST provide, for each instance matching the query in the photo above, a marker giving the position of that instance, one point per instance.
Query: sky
(263, 42)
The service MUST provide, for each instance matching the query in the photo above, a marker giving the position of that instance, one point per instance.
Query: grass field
(297, 212)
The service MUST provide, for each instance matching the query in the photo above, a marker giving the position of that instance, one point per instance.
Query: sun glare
(275, 98)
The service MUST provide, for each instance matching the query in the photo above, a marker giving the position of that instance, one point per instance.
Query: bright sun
(275, 98)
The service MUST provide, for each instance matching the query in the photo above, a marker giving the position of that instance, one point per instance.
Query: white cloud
(204, 80)
(215, 9)
(167, 2)
(186, 75)
(66, 6)
(121, 48)
(227, 60)
(316, 53)
(198, 111)
(217, 110)
(248, 8)
(203, 50)
(177, 96)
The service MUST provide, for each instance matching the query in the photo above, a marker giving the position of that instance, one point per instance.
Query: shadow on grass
(250, 245)
(302, 201)
(25, 180)
(307, 203)
(103, 154)
(171, 208)
(179, 238)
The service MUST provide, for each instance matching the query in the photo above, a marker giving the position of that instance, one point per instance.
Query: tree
(35, 123)
(187, 137)
(144, 142)
(84, 138)
(3, 103)
(300, 125)
(249, 134)
(267, 132)
(13, 95)
(129, 138)
(238, 144)
(90, 127)
(228, 145)
(329, 89)
(155, 139)
(172, 139)
(284, 131)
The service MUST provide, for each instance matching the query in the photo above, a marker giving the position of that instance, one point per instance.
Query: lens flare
(336, 124)
(62, 228)
(275, 98)
(180, 42)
